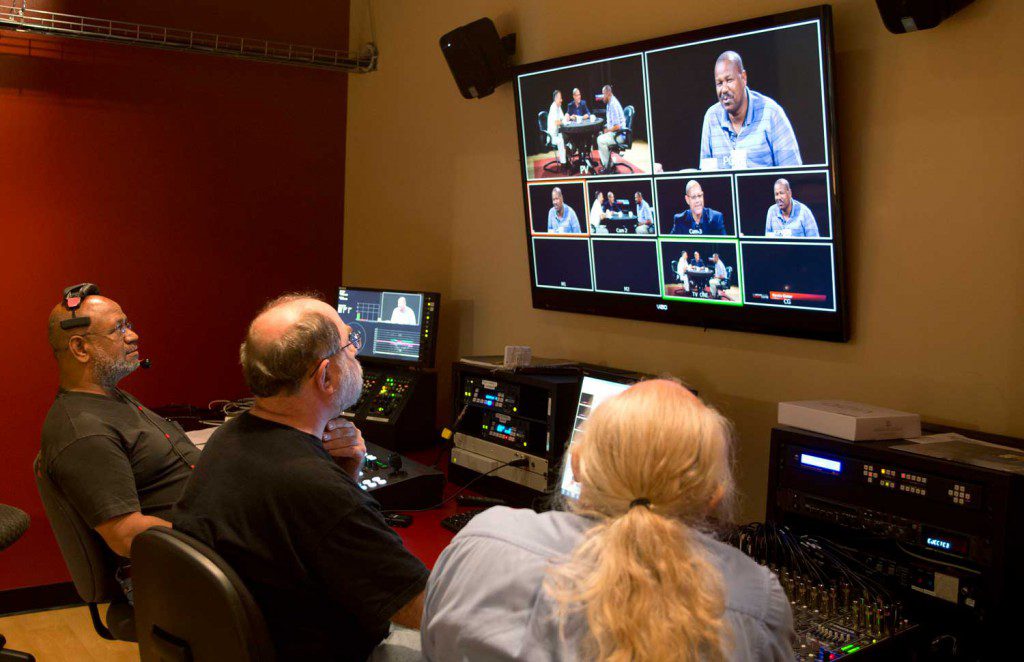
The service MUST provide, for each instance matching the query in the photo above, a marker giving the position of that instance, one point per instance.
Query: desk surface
(582, 126)
(425, 538)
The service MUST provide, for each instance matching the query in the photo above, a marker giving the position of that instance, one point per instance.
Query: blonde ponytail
(652, 462)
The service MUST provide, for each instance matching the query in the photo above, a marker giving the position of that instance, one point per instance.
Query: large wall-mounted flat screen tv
(690, 179)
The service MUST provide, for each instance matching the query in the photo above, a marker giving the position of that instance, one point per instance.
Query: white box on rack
(854, 421)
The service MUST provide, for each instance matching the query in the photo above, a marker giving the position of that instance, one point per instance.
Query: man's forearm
(411, 614)
(119, 532)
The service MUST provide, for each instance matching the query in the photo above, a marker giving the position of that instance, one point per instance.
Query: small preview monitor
(395, 326)
(593, 391)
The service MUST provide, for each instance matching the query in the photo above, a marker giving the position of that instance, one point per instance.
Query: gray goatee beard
(108, 372)
(351, 389)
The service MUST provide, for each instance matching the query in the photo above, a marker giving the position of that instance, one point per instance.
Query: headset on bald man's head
(72, 299)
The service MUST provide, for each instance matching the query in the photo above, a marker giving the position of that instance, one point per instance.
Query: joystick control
(395, 462)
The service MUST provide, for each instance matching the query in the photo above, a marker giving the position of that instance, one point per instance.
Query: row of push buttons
(371, 483)
(913, 489)
(914, 478)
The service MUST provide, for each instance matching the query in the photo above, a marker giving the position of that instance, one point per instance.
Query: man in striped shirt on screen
(614, 120)
(745, 129)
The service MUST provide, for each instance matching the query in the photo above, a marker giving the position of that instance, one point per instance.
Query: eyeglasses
(122, 327)
(354, 339)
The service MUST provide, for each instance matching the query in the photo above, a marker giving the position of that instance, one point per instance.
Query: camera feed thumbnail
(558, 208)
(626, 267)
(788, 275)
(563, 263)
(696, 206)
(387, 323)
(587, 119)
(622, 207)
(784, 205)
(705, 271)
(747, 101)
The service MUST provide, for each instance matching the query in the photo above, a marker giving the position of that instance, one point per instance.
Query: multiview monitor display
(689, 179)
(392, 325)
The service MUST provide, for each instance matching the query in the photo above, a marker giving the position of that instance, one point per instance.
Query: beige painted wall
(931, 146)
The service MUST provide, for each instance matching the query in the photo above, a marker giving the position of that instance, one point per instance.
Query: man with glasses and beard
(313, 547)
(120, 465)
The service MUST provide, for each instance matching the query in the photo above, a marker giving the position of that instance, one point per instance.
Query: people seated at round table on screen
(403, 314)
(610, 204)
(789, 217)
(721, 277)
(597, 215)
(630, 570)
(697, 263)
(561, 218)
(698, 219)
(577, 109)
(644, 215)
(555, 119)
(614, 121)
(745, 129)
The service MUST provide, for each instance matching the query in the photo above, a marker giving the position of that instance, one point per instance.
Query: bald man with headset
(120, 465)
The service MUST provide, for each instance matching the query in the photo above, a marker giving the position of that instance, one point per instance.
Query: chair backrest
(190, 605)
(542, 124)
(629, 112)
(13, 524)
(89, 560)
(624, 137)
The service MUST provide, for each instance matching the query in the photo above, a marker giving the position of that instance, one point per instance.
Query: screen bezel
(428, 333)
(793, 322)
(615, 378)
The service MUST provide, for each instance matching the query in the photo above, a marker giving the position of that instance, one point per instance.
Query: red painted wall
(189, 187)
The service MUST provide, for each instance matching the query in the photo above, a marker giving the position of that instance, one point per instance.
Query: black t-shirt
(111, 456)
(311, 546)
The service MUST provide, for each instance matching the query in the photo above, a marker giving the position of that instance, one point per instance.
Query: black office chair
(190, 605)
(623, 140)
(719, 292)
(13, 524)
(91, 563)
(679, 275)
(542, 124)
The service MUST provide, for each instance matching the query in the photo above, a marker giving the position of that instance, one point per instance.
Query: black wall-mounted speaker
(902, 16)
(480, 60)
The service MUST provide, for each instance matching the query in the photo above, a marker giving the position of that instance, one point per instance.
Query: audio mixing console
(840, 607)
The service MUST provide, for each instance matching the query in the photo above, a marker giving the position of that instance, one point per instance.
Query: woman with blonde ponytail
(627, 573)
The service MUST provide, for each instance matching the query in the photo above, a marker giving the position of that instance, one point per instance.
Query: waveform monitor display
(391, 325)
(396, 342)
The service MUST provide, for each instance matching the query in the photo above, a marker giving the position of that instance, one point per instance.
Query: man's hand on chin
(344, 442)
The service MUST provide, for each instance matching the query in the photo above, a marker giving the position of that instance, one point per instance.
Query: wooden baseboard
(37, 598)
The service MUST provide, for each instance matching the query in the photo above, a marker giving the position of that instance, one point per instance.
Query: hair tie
(640, 502)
